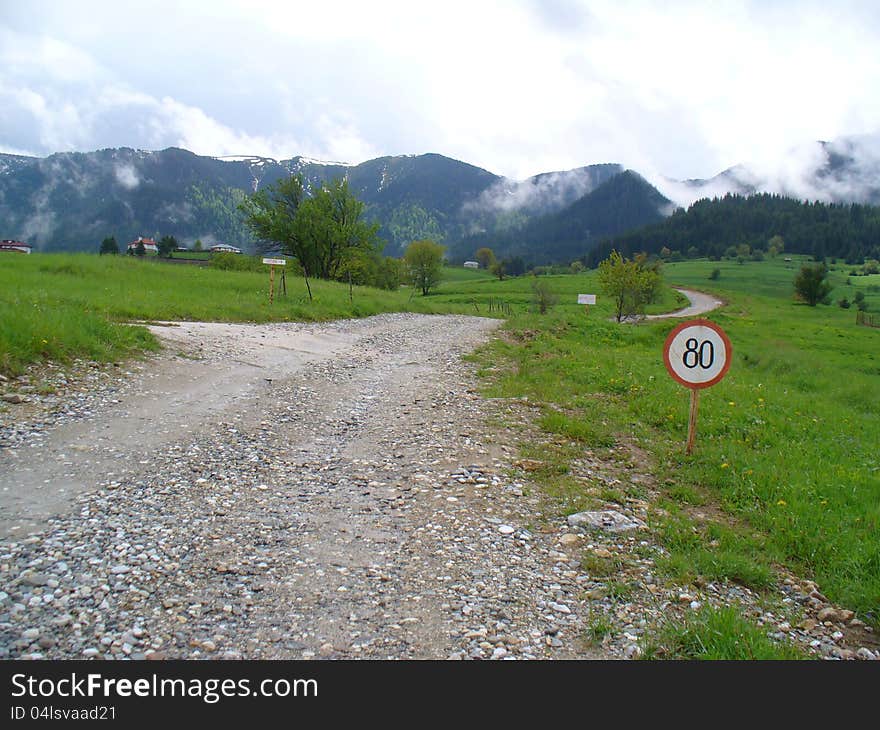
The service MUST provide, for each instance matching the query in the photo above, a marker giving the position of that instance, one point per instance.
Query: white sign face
(586, 298)
(697, 353)
(275, 262)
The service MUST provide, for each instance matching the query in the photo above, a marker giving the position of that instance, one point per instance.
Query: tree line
(711, 227)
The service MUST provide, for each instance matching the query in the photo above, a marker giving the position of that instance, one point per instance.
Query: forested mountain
(621, 203)
(71, 201)
(711, 227)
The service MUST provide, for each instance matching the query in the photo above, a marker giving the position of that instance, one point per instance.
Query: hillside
(71, 201)
(619, 204)
(710, 227)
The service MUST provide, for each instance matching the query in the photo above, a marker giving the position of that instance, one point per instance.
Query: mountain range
(72, 200)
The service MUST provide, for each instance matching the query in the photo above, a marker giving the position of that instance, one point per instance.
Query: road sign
(697, 354)
(586, 298)
(275, 262)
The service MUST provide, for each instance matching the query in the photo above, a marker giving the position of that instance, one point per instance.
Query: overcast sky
(517, 87)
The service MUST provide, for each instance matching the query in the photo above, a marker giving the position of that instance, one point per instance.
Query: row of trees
(165, 246)
(721, 226)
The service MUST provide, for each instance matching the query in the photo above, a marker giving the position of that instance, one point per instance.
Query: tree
(424, 264)
(499, 269)
(329, 227)
(811, 286)
(630, 283)
(109, 245)
(577, 266)
(197, 246)
(140, 249)
(270, 214)
(486, 257)
(166, 246)
(321, 231)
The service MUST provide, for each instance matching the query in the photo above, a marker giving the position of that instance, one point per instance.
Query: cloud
(682, 89)
(127, 176)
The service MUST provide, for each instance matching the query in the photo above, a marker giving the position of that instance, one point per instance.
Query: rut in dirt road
(354, 506)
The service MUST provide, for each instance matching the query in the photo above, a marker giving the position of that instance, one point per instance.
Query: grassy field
(61, 306)
(787, 444)
(786, 465)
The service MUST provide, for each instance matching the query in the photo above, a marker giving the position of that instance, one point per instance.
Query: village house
(471, 265)
(224, 248)
(14, 246)
(149, 244)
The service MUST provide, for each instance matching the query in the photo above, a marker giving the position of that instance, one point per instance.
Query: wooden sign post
(586, 300)
(698, 355)
(272, 264)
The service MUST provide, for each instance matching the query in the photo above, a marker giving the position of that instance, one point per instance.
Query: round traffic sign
(697, 353)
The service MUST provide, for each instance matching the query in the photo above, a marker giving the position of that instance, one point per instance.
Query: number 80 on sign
(697, 353)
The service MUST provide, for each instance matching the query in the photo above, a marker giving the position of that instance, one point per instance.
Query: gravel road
(280, 491)
(335, 490)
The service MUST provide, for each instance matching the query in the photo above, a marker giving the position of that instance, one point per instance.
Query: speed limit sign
(697, 354)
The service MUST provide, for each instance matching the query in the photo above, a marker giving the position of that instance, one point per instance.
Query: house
(14, 246)
(224, 248)
(149, 244)
(471, 265)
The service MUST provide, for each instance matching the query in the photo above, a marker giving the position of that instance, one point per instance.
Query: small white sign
(275, 262)
(586, 298)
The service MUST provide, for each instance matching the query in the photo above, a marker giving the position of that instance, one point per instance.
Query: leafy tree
(859, 301)
(715, 275)
(197, 246)
(166, 246)
(630, 283)
(388, 274)
(516, 266)
(485, 257)
(109, 245)
(424, 264)
(577, 266)
(140, 249)
(329, 227)
(499, 269)
(270, 213)
(811, 285)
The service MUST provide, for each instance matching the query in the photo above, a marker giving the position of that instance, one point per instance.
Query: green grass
(710, 633)
(62, 306)
(787, 443)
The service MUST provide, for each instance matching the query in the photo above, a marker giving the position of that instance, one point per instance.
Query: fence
(866, 320)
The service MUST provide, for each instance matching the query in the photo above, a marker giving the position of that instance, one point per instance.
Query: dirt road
(284, 491)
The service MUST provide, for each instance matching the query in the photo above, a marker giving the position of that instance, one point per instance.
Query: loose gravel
(357, 505)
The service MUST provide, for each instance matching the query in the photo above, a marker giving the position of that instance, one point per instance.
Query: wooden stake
(271, 284)
(692, 420)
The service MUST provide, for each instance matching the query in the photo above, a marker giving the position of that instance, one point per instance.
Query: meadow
(786, 470)
(787, 443)
(64, 306)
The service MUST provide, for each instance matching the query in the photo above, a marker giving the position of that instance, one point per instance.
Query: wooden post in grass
(692, 420)
(272, 264)
(697, 354)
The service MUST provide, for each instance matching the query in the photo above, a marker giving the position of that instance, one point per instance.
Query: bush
(715, 275)
(237, 262)
(843, 303)
(542, 297)
(811, 285)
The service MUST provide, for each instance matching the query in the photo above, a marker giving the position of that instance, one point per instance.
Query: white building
(472, 264)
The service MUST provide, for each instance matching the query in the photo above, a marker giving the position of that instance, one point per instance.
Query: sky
(681, 89)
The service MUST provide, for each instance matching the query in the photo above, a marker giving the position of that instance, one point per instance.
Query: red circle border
(698, 323)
